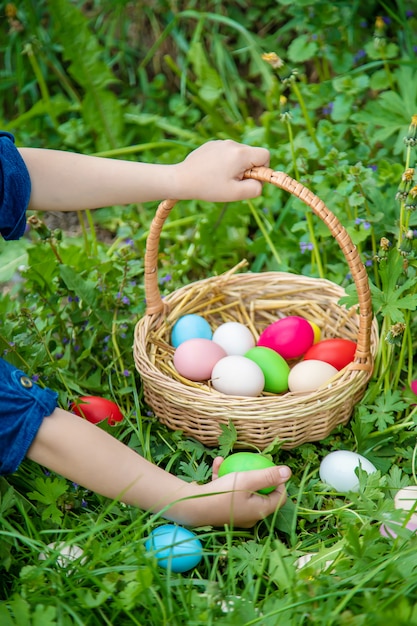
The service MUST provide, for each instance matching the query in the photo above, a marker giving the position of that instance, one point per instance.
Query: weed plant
(331, 90)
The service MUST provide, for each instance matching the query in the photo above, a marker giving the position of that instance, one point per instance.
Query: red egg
(290, 336)
(96, 409)
(338, 352)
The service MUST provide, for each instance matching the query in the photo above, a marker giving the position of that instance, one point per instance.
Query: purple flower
(35, 378)
(359, 55)
(306, 246)
(326, 110)
(165, 279)
(365, 223)
(125, 300)
(387, 20)
(126, 373)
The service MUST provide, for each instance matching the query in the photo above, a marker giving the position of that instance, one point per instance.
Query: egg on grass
(175, 548)
(338, 470)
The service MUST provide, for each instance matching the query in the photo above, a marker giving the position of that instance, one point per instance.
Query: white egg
(66, 553)
(406, 499)
(235, 375)
(234, 338)
(337, 469)
(310, 375)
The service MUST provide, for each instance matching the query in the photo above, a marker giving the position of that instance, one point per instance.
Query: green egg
(274, 367)
(243, 462)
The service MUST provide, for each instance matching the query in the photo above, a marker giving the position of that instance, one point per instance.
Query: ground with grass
(331, 91)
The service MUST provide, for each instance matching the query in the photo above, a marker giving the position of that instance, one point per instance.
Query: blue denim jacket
(23, 406)
(15, 187)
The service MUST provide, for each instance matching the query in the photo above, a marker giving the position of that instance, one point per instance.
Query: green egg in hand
(245, 461)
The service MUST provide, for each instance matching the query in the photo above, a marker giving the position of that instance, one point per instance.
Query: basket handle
(283, 181)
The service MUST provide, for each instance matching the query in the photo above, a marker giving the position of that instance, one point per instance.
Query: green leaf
(49, 491)
(209, 82)
(44, 616)
(101, 109)
(382, 413)
(389, 300)
(227, 439)
(246, 556)
(86, 290)
(12, 254)
(302, 49)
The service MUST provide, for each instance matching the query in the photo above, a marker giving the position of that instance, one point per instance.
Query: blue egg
(175, 548)
(190, 326)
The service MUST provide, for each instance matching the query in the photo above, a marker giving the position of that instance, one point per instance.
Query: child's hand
(214, 172)
(235, 499)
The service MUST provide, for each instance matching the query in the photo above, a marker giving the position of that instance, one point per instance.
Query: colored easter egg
(337, 351)
(290, 336)
(388, 529)
(235, 375)
(406, 499)
(337, 469)
(244, 462)
(175, 548)
(195, 358)
(309, 375)
(234, 338)
(275, 368)
(316, 331)
(96, 409)
(190, 326)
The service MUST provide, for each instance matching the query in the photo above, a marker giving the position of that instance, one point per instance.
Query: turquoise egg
(190, 326)
(175, 548)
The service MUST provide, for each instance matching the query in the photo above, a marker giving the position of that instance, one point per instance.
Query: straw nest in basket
(256, 300)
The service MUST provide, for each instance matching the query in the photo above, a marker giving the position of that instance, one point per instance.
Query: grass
(338, 114)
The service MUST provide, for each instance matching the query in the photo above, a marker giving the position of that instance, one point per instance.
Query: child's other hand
(214, 172)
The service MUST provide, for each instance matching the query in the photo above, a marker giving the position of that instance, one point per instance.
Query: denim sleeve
(15, 187)
(23, 406)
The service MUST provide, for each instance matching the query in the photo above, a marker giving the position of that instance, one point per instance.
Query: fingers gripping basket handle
(283, 181)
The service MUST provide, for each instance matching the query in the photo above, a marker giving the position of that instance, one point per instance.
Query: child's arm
(67, 181)
(89, 456)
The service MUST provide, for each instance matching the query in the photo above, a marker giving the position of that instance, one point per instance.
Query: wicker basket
(255, 299)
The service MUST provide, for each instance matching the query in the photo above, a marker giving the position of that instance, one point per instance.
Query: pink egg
(387, 530)
(290, 336)
(195, 358)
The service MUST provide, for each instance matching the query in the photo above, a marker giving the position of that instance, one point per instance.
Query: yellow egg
(316, 331)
